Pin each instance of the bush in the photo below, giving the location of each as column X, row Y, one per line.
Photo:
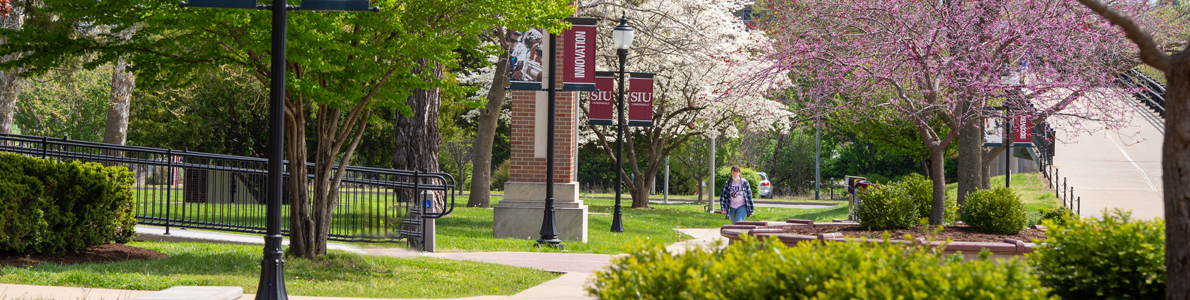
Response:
column 921, row 190
column 1057, row 216
column 723, row 174
column 501, row 175
column 50, row 207
column 1112, row 257
column 998, row 210
column 768, row 269
column 884, row 207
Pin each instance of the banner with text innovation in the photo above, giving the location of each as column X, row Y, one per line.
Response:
column 640, row 100
column 526, row 67
column 578, row 72
column 602, row 100
column 1021, row 130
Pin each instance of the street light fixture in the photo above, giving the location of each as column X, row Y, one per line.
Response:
column 622, row 37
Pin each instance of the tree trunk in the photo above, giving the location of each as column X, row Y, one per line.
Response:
column 301, row 224
column 970, row 161
column 776, row 152
column 10, row 81
column 937, row 175
column 989, row 154
column 418, row 138
column 489, row 118
column 1175, row 157
column 116, row 130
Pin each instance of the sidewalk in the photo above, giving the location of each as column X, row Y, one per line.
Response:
column 577, row 267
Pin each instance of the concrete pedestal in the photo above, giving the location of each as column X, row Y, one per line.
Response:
column 519, row 214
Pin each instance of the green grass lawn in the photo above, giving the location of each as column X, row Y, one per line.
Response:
column 339, row 274
column 470, row 229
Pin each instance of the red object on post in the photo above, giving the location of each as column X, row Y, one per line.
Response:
column 1020, row 131
column 579, row 55
column 602, row 100
column 640, row 100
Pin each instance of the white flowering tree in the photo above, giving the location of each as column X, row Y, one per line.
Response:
column 696, row 48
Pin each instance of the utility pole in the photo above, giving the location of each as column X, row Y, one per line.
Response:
column 711, row 182
column 817, row 155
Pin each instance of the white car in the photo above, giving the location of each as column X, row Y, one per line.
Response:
column 766, row 188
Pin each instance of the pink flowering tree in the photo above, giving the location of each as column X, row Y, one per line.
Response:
column 935, row 62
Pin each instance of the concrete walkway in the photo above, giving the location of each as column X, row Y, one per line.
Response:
column 1116, row 169
column 577, row 268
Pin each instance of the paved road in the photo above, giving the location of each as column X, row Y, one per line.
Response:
column 1116, row 169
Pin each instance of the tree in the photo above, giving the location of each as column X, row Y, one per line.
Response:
column 460, row 150
column 903, row 56
column 487, row 122
column 123, row 82
column 66, row 102
column 694, row 47
column 1175, row 152
column 341, row 66
column 10, row 80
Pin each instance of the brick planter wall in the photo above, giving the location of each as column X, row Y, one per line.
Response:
column 1009, row 248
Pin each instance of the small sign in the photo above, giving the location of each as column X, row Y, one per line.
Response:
column 579, row 56
column 1020, row 132
column 602, row 100
column 640, row 100
column 993, row 132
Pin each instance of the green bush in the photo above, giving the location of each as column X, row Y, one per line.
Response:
column 723, row 174
column 1057, row 216
column 51, row 207
column 501, row 175
column 921, row 190
column 998, row 210
column 768, row 269
column 1114, row 257
column 884, row 207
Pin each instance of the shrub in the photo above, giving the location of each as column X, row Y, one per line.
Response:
column 723, row 174
column 886, row 207
column 1112, row 257
column 998, row 210
column 752, row 269
column 501, row 175
column 1057, row 216
column 921, row 190
column 51, row 207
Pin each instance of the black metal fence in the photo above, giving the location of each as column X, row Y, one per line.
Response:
column 1150, row 92
column 1043, row 140
column 227, row 193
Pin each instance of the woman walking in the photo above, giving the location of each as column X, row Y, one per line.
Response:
column 736, row 197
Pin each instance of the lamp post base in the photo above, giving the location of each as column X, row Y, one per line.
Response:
column 272, row 273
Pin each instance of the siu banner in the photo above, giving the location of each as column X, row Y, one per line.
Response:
column 602, row 100
column 640, row 100
column 578, row 72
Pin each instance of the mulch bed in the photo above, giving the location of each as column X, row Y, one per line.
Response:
column 959, row 233
column 97, row 254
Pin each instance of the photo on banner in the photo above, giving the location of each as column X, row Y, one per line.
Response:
column 526, row 63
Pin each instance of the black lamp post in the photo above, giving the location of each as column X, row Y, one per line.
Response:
column 272, row 271
column 549, row 227
column 622, row 37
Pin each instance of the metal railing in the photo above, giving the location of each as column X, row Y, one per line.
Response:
column 1043, row 140
column 227, row 193
column 1149, row 91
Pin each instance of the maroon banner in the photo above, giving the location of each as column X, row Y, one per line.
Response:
column 578, row 72
column 1020, row 131
column 640, row 100
column 602, row 101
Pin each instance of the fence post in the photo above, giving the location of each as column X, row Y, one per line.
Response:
column 44, row 143
column 169, row 186
column 1079, row 211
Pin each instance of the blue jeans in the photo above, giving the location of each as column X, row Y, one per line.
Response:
column 737, row 214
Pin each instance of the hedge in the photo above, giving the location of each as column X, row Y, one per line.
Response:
column 59, row 207
column 752, row 269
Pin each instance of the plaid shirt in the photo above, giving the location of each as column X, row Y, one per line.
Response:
column 725, row 198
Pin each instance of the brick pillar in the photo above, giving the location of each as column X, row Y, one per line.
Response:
column 519, row 214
